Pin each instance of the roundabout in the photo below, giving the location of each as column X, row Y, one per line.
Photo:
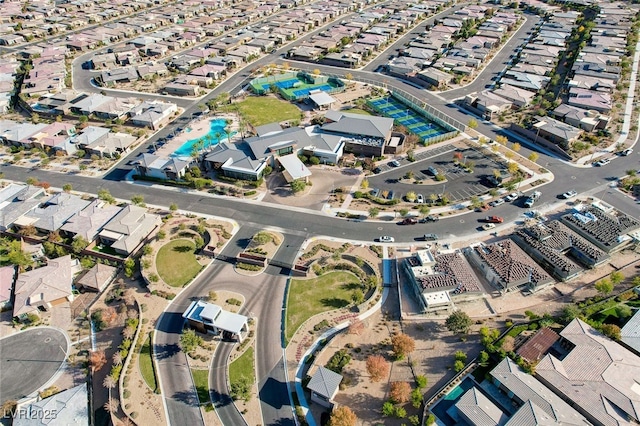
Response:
column 29, row 360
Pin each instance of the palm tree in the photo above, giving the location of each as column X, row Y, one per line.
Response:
column 111, row 406
column 109, row 382
column 117, row 359
column 208, row 138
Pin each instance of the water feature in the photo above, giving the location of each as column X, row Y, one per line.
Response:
column 216, row 127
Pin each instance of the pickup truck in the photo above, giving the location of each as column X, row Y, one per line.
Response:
column 531, row 200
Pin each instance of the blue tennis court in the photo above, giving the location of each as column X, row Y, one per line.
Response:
column 411, row 119
column 298, row 93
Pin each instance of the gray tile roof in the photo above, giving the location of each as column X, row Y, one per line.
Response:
column 97, row 277
column 53, row 213
column 630, row 333
column 532, row 415
column 70, row 407
column 16, row 200
column 478, row 410
column 358, row 124
column 133, row 223
column 325, row 382
column 88, row 222
column 598, row 375
column 526, row 388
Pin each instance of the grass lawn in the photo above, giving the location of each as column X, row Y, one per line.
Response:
column 310, row 297
column 201, row 379
column 242, row 367
column 358, row 111
column 146, row 365
column 259, row 110
column 176, row 262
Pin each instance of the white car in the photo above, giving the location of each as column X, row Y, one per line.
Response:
column 626, row 152
column 497, row 202
column 488, row 226
column 420, row 199
column 386, row 239
column 569, row 194
column 511, row 197
column 602, row 162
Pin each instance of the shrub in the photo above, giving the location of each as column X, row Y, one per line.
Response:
column 421, row 381
column 338, row 361
column 400, row 392
column 401, row 413
column 388, row 409
column 402, row 345
column 233, row 301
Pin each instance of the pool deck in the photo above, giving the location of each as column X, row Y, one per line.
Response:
column 199, row 127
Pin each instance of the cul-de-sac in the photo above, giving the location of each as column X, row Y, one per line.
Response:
column 319, row 212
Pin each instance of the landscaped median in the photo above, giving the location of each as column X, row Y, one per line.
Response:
column 176, row 262
column 260, row 250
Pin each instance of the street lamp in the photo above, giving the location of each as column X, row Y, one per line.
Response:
column 538, row 125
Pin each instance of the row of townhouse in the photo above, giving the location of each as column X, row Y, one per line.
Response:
column 442, row 51
column 123, row 229
column 8, row 72
column 591, row 83
column 150, row 114
column 47, row 73
column 63, row 139
column 153, row 53
column 347, row 43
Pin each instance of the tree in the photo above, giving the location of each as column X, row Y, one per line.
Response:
column 105, row 195
column 342, row 416
column 109, row 382
column 78, row 244
column 189, row 341
column 138, row 200
column 298, row 185
column 97, row 360
column 484, row 358
column 111, row 406
column 32, row 181
column 356, row 327
column 399, row 392
column 416, row 398
column 458, row 366
column 67, row 187
column 129, row 266
column 616, row 277
column 604, row 286
column 502, row 140
column 569, row 313
column 402, row 345
column 357, row 296
column 458, row 322
column 374, row 212
column 461, row 356
column 377, row 367
column 533, row 157
column 424, row 210
column 512, row 167
column 516, row 147
column 612, row 331
column 472, row 124
column 403, row 212
column 364, row 184
column 117, row 358
column 128, row 332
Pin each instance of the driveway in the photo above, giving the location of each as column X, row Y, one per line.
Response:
column 29, row 360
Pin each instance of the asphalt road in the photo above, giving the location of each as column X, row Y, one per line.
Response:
column 500, row 61
column 28, row 360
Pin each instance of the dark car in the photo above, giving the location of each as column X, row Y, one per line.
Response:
column 408, row 221
column 430, row 218
column 377, row 170
column 430, row 237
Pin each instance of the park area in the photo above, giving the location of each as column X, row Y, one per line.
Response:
column 176, row 262
column 260, row 110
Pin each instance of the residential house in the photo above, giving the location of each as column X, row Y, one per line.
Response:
column 71, row 408
column 111, row 77
column 520, row 97
column 434, row 77
column 7, row 278
column 88, row 222
column 235, row 161
column 324, row 385
column 180, row 89
column 40, row 289
column 16, row 200
column 590, row 100
column 557, row 132
column 52, row 213
column 594, row 374
column 129, row 229
column 52, row 135
column 209, row 318
column 19, row 134
column 629, row 334
column 152, row 114
column 112, row 146
column 488, row 103
column 581, row 118
column 97, row 278
column 153, row 166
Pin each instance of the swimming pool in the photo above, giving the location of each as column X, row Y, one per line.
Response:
column 216, row 127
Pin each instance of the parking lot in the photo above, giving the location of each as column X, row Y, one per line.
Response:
column 459, row 184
